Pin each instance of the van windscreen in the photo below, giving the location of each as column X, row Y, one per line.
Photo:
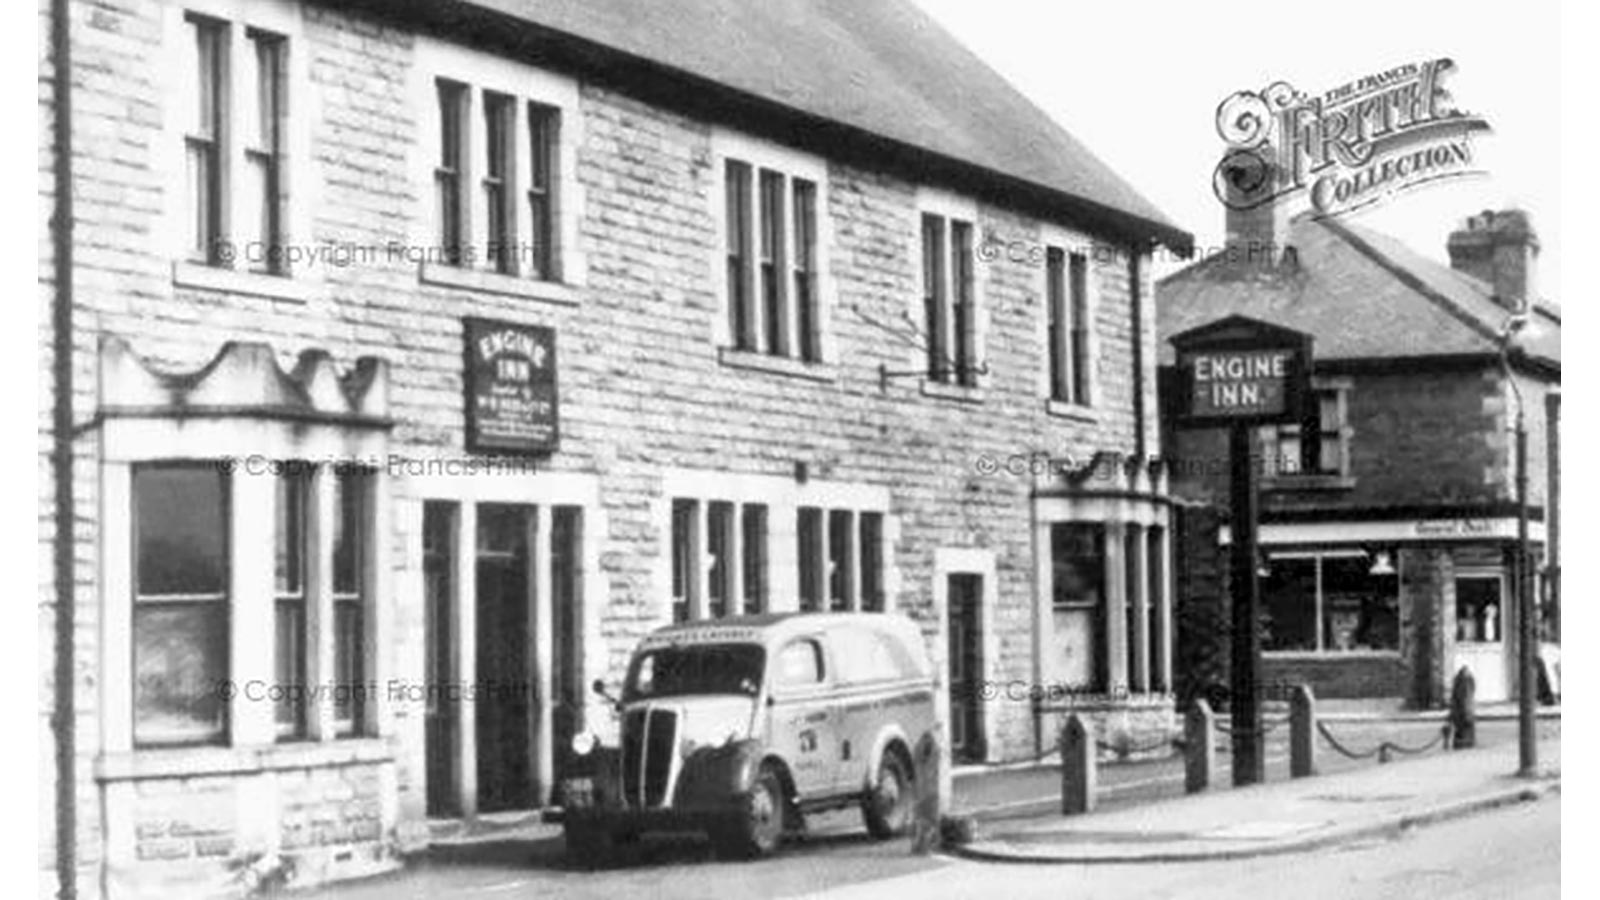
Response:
column 695, row 669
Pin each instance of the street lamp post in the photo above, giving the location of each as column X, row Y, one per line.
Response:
column 1527, row 678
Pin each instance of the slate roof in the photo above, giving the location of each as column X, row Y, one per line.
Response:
column 882, row 67
column 1360, row 294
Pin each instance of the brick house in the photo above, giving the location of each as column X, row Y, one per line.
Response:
column 1389, row 517
column 411, row 361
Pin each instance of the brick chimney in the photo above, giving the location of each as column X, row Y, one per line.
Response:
column 1257, row 218
column 1501, row 248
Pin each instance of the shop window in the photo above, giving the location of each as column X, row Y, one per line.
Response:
column 1331, row 602
column 1360, row 610
column 349, row 613
column 180, row 608
column 1478, row 609
column 1289, row 599
column 289, row 603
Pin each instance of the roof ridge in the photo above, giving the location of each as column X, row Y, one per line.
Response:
column 1408, row 278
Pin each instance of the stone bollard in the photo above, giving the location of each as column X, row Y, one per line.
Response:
column 1199, row 746
column 1077, row 767
column 925, row 832
column 1463, row 710
column 1302, row 733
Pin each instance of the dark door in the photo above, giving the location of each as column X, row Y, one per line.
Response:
column 504, row 683
column 966, row 668
column 567, row 689
column 442, row 708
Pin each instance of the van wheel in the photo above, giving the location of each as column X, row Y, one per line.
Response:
column 757, row 828
column 588, row 845
column 887, row 807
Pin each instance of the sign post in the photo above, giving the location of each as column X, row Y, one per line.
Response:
column 1242, row 373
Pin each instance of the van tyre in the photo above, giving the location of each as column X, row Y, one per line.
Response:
column 887, row 807
column 757, row 828
column 588, row 845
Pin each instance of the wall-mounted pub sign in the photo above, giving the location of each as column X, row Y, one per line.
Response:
column 1242, row 371
column 510, row 388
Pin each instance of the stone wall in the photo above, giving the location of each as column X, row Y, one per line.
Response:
column 643, row 388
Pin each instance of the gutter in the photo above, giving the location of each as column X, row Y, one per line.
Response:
column 64, row 716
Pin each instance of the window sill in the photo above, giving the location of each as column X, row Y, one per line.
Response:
column 233, row 281
column 1327, row 655
column 1287, row 483
column 485, row 282
column 777, row 365
column 1075, row 411
column 957, row 393
column 189, row 762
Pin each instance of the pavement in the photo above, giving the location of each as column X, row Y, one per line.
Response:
column 1278, row 817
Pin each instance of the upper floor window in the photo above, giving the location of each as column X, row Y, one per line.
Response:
column 1067, row 311
column 949, row 310
column 1318, row 446
column 234, row 146
column 771, row 227
column 521, row 235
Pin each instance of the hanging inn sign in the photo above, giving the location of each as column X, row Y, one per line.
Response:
column 1242, row 371
column 510, row 382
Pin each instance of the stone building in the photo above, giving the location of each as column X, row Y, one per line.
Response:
column 408, row 362
column 1388, row 517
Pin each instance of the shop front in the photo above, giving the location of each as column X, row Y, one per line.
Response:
column 1391, row 608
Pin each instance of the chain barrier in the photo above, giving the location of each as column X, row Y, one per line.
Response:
column 1268, row 726
column 1385, row 749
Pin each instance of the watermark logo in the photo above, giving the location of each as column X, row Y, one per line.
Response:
column 1348, row 147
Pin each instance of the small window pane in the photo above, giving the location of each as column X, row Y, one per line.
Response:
column 1077, row 553
column 180, row 524
column 289, row 666
column 180, row 653
column 347, row 532
column 872, row 561
column 753, row 545
column 349, row 665
column 810, row 548
column 289, row 556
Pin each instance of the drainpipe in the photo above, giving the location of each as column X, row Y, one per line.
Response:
column 1136, row 295
column 65, row 713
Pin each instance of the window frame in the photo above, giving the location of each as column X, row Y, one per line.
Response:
column 222, row 599
column 206, row 201
column 1310, row 436
column 950, row 305
column 772, row 269
column 542, row 200
column 300, row 482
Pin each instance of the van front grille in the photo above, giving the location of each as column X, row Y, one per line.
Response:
column 649, row 737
